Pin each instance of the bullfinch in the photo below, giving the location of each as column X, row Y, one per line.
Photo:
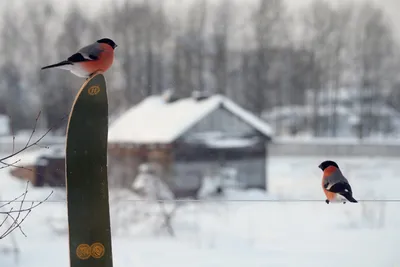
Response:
column 334, row 182
column 96, row 57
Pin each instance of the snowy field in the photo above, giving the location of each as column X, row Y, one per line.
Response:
column 273, row 232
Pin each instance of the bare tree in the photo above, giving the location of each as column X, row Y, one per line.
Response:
column 268, row 23
column 318, row 28
column 13, row 96
column 177, row 68
column 127, row 19
column 14, row 212
column 373, row 48
column 353, row 45
column 58, row 102
column 142, row 29
column 192, row 42
column 14, row 217
column 334, row 58
column 158, row 31
column 157, row 49
column 197, row 20
column 161, row 30
column 221, row 23
column 34, row 20
column 11, row 79
column 341, row 20
column 187, row 46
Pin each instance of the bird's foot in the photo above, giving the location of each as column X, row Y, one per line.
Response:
column 91, row 75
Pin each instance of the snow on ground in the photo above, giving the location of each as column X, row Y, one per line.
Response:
column 242, row 233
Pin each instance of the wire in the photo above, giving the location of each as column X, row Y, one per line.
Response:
column 212, row 200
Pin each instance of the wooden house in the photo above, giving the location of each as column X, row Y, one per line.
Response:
column 190, row 138
column 42, row 167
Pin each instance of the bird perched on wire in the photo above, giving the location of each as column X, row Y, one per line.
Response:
column 334, row 182
column 96, row 57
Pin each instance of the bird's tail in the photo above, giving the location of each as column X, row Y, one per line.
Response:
column 349, row 197
column 60, row 64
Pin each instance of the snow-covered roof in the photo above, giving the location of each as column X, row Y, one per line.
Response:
column 155, row 121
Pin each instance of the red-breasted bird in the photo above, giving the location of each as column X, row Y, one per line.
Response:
column 96, row 57
column 334, row 182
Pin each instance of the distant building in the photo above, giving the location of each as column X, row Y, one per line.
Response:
column 190, row 138
column 42, row 167
column 337, row 113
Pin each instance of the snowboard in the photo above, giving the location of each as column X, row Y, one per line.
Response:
column 86, row 177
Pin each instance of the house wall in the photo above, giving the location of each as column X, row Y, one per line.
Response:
column 49, row 172
column 124, row 162
column 53, row 174
column 122, row 170
column 193, row 161
column 188, row 176
column 27, row 173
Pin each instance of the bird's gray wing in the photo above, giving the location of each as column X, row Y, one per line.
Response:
column 334, row 178
column 91, row 52
column 87, row 53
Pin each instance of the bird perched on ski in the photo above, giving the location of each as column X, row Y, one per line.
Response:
column 96, row 57
column 334, row 183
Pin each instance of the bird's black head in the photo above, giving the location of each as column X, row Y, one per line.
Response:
column 326, row 164
column 107, row 41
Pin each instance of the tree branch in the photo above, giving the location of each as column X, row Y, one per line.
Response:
column 15, row 216
column 21, row 213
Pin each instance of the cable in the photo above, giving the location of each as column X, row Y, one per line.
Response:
column 213, row 200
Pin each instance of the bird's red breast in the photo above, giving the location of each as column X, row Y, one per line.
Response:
column 327, row 172
column 106, row 58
